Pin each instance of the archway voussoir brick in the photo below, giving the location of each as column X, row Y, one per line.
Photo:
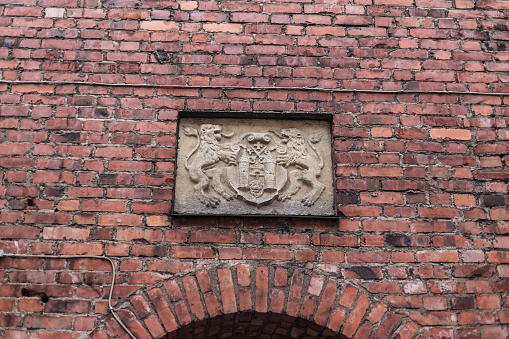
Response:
column 315, row 285
column 193, row 297
column 294, row 296
column 308, row 307
column 141, row 306
column 324, row 309
column 364, row 331
column 262, row 289
column 377, row 312
column 183, row 316
column 204, row 281
column 113, row 326
column 243, row 275
column 336, row 319
column 356, row 316
column 348, row 296
column 133, row 324
column 173, row 290
column 227, row 290
column 280, row 277
column 212, row 304
column 277, row 303
column 245, row 300
column 386, row 329
column 163, row 310
column 408, row 330
column 154, row 326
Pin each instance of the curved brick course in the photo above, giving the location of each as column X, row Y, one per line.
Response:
column 286, row 299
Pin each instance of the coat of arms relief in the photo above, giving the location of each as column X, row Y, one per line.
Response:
column 258, row 170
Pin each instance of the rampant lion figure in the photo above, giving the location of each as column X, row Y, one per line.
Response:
column 309, row 167
column 209, row 152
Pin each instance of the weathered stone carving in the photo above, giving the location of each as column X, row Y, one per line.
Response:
column 262, row 171
column 308, row 167
column 208, row 153
column 256, row 176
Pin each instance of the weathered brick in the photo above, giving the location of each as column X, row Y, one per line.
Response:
column 102, row 158
column 356, row 316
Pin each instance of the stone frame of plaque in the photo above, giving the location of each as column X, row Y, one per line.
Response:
column 266, row 165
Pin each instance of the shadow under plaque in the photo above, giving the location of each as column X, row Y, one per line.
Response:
column 254, row 167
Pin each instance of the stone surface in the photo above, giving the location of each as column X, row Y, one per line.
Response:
column 254, row 167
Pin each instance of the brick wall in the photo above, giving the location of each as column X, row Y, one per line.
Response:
column 418, row 91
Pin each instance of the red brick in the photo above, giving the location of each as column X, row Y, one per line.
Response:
column 332, row 240
column 261, row 293
column 81, row 249
column 222, row 27
column 243, row 275
column 264, row 254
column 437, row 256
column 19, row 232
column 227, row 291
column 193, row 297
column 333, row 256
column 466, row 318
column 405, row 302
column 360, row 211
column 363, row 257
column 149, row 250
column 212, row 304
column 355, row 317
column 154, row 326
column 382, row 287
column 120, row 220
column 325, row 306
column 139, row 235
column 388, row 326
column 382, row 198
column 134, row 325
column 141, row 306
column 294, row 294
column 167, row 318
column 114, row 152
column 434, row 318
column 377, row 313
column 277, row 301
column 195, row 252
column 488, row 302
column 213, row 236
column 308, row 307
column 336, row 319
column 286, row 239
column 47, row 322
column 385, row 225
column 407, row 331
column 103, row 206
column 64, row 233
column 182, row 313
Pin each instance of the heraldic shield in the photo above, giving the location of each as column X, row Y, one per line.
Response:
column 258, row 166
column 257, row 178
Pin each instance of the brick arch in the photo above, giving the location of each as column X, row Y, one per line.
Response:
column 338, row 309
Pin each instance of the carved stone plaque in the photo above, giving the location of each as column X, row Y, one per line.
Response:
column 254, row 166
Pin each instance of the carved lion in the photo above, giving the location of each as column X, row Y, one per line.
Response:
column 208, row 153
column 308, row 165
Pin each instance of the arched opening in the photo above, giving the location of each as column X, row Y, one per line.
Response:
column 253, row 325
